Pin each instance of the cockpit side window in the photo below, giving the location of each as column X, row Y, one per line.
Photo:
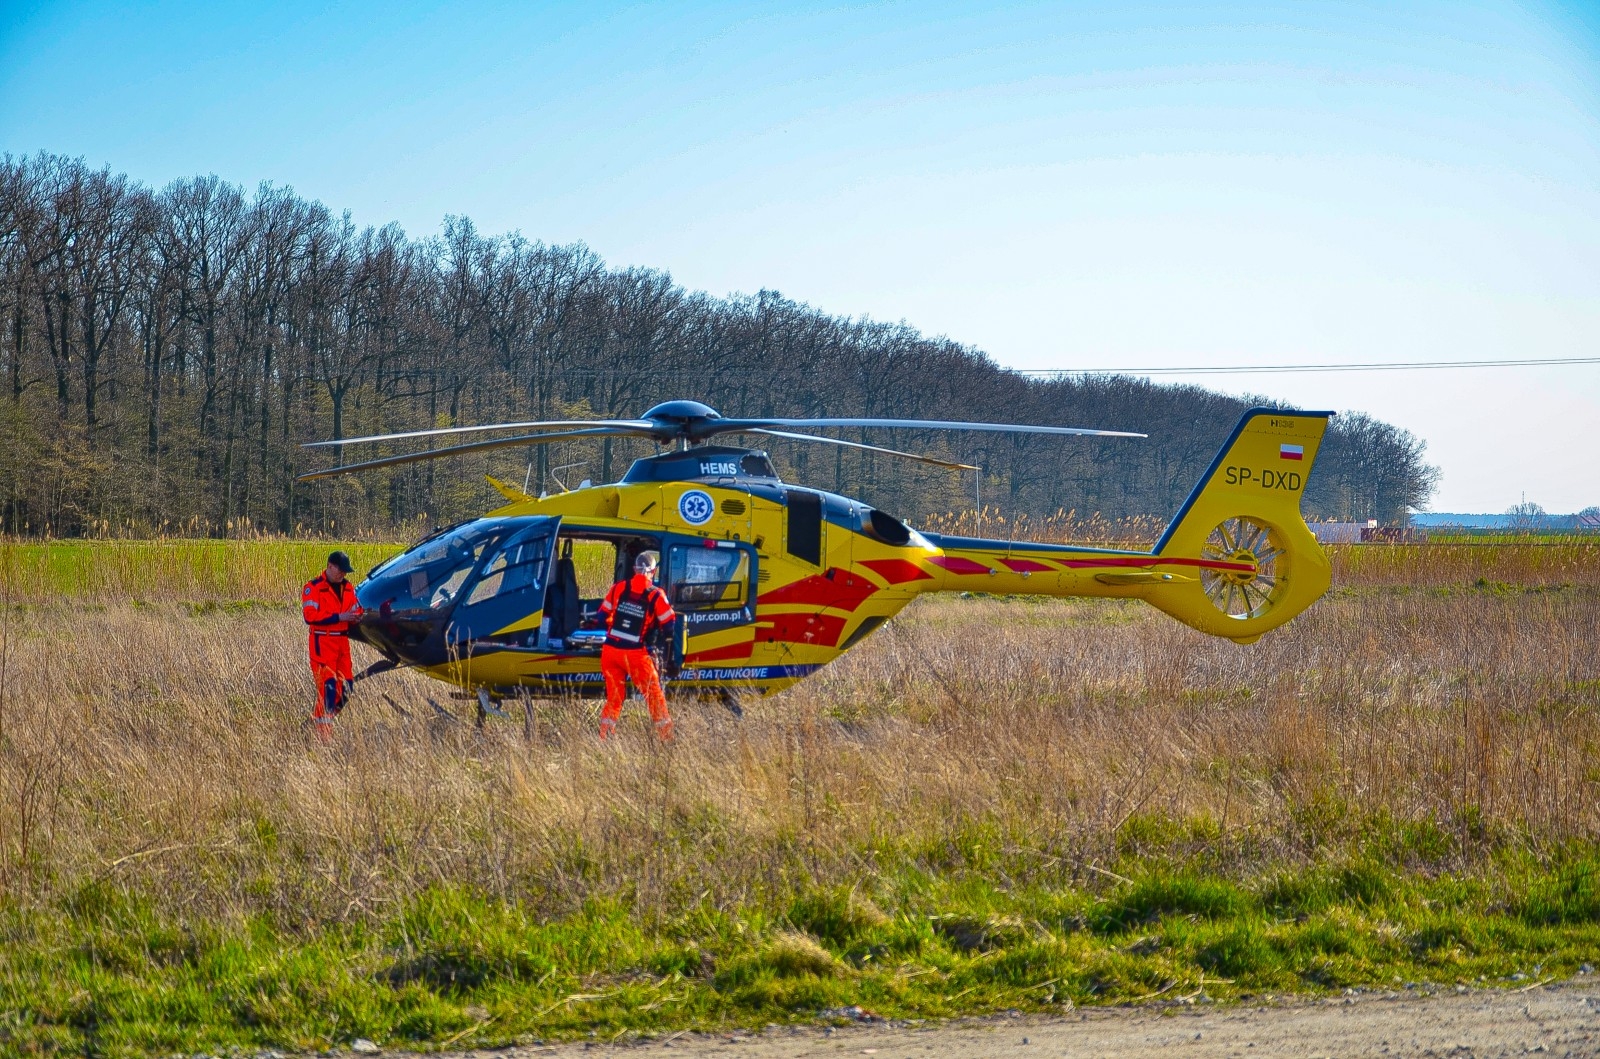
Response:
column 519, row 566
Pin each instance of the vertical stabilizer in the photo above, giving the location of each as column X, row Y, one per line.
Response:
column 1258, row 563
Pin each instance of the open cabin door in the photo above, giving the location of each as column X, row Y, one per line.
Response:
column 710, row 584
column 503, row 604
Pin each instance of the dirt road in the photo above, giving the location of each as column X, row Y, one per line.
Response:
column 1561, row 1019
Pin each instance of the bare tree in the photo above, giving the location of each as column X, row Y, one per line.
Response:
column 219, row 329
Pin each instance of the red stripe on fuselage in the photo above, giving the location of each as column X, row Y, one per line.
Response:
column 1209, row 564
column 897, row 571
column 1101, row 561
column 721, row 654
column 822, row 630
column 957, row 564
column 837, row 588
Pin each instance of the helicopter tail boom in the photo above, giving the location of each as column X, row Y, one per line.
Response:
column 1236, row 561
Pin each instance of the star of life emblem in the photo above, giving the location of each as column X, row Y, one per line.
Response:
column 695, row 507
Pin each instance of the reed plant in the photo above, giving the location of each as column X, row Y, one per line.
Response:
column 1513, row 562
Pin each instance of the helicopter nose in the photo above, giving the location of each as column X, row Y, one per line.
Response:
column 411, row 639
column 365, row 630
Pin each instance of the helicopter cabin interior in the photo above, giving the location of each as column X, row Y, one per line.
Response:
column 707, row 583
column 587, row 564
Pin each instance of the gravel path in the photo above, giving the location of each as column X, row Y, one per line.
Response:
column 1561, row 1019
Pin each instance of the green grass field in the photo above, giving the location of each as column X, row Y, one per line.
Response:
column 175, row 568
column 201, row 571
column 962, row 816
column 104, row 973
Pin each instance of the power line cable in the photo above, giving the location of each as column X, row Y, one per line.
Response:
column 1252, row 369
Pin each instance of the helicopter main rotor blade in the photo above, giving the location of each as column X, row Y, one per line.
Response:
column 947, row 464
column 724, row 426
column 458, row 450
column 637, row 424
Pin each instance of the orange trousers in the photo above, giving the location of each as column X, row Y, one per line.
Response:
column 330, row 667
column 617, row 666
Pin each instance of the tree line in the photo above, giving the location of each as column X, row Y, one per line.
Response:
column 164, row 353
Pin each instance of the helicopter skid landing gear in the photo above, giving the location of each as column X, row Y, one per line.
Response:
column 487, row 708
column 734, row 701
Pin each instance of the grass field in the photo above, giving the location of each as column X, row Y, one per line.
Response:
column 990, row 804
column 221, row 571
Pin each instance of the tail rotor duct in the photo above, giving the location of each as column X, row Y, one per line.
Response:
column 1257, row 569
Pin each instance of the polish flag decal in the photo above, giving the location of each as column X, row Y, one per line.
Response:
column 1291, row 452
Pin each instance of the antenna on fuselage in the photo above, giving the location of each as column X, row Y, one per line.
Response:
column 565, row 467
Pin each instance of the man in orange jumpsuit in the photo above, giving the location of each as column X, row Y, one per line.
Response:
column 328, row 604
column 631, row 610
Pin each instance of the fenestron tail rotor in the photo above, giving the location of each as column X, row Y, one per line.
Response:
column 684, row 423
column 1252, row 578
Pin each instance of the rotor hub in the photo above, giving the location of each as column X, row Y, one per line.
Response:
column 682, row 421
column 1245, row 557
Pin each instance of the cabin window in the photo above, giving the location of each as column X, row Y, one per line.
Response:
column 709, row 577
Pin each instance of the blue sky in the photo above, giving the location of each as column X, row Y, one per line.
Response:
column 1061, row 185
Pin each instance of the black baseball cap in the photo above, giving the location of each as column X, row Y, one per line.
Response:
column 341, row 560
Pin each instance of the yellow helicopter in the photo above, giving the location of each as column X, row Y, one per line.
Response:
column 773, row 581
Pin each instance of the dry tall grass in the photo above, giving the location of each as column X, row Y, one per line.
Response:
column 161, row 747
column 1513, row 561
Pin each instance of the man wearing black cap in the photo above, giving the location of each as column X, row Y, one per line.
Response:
column 328, row 604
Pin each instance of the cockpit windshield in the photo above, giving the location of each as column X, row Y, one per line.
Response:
column 429, row 576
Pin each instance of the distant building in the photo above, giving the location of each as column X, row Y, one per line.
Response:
column 1368, row 532
column 1392, row 535
column 1337, row 532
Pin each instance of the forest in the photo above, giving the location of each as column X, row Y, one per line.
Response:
column 166, row 352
